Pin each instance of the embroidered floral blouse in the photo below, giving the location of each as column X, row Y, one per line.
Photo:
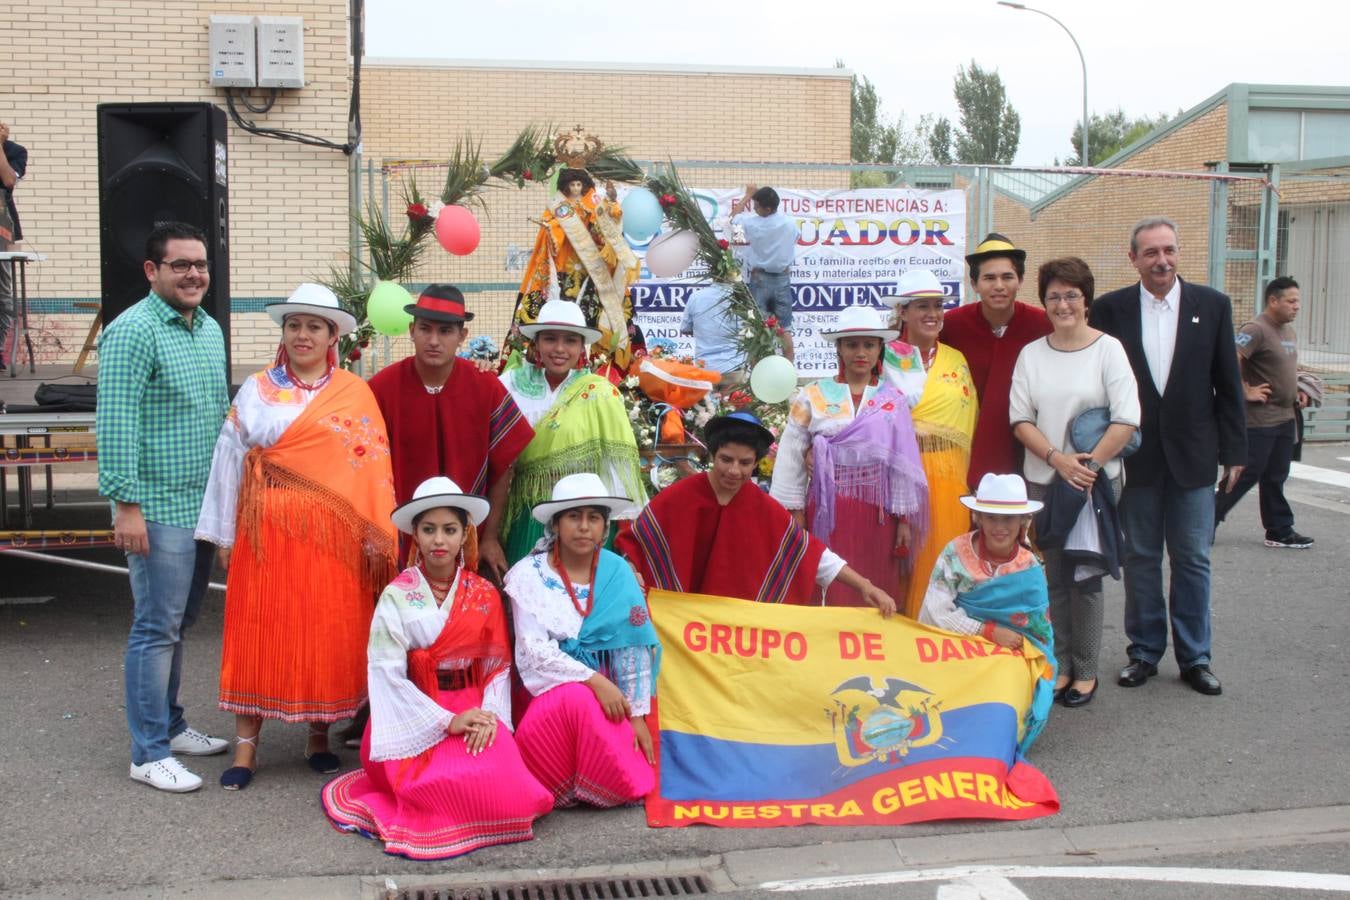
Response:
column 544, row 616
column 266, row 405
column 959, row 569
column 403, row 720
column 824, row 408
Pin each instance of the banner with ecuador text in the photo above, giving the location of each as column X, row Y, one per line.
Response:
column 773, row 715
column 852, row 246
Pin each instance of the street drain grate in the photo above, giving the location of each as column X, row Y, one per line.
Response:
column 572, row 889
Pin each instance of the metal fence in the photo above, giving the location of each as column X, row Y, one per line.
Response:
column 1236, row 230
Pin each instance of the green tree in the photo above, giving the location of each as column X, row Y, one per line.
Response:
column 940, row 142
column 1112, row 133
column 990, row 127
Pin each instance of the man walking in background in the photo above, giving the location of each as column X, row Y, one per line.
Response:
column 1179, row 339
column 772, row 237
column 1267, row 351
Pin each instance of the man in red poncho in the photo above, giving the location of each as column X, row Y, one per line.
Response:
column 717, row 533
column 991, row 334
column 447, row 418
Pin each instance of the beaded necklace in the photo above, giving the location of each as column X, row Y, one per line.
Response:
column 567, row 582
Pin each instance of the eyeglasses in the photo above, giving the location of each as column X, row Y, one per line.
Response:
column 181, row 266
column 1070, row 298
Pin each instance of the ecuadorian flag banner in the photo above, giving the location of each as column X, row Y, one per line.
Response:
column 774, row 715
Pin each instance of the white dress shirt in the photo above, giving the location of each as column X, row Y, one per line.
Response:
column 1158, row 330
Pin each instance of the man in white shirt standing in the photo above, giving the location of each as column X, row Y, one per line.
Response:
column 772, row 237
column 1179, row 340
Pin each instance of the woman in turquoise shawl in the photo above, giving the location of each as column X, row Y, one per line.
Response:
column 989, row 582
column 586, row 651
column 579, row 419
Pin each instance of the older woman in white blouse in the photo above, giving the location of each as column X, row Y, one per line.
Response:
column 1058, row 377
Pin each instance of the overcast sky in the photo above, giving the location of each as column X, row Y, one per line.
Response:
column 1146, row 56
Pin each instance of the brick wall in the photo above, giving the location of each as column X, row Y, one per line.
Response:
column 288, row 203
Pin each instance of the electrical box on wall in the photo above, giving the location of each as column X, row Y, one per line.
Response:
column 233, row 48
column 281, row 51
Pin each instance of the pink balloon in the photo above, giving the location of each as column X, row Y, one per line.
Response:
column 457, row 230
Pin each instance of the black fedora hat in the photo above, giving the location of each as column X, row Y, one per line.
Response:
column 440, row 303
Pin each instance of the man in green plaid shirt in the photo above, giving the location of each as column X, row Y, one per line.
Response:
column 162, row 397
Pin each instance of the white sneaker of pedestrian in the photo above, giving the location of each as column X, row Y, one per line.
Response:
column 193, row 743
column 166, row 774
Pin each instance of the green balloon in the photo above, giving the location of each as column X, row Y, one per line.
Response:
column 384, row 308
column 773, row 379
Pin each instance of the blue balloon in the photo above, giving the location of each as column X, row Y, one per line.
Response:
column 642, row 214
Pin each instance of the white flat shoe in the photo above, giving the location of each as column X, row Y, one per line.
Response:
column 166, row 774
column 193, row 743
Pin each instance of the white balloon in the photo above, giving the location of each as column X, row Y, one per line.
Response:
column 670, row 254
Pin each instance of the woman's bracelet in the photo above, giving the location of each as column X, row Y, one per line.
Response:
column 988, row 629
column 1049, row 453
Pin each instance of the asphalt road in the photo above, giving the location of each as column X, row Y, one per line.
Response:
column 1275, row 740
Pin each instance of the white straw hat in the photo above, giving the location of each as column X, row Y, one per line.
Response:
column 913, row 284
column 1002, row 495
column 561, row 315
column 860, row 321
column 581, row 489
column 435, row 493
column 313, row 300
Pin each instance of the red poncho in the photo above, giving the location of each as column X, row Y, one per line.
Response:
column 991, row 360
column 751, row 548
column 471, row 431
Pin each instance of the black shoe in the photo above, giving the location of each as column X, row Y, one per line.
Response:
column 1074, row 698
column 1291, row 541
column 1059, row 693
column 1201, row 679
column 1136, row 673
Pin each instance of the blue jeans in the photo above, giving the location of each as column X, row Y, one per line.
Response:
column 167, row 586
column 1183, row 519
column 773, row 295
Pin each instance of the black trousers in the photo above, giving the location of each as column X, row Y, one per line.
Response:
column 1269, row 451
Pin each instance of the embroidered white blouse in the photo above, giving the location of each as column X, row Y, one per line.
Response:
column 403, row 720
column 544, row 616
column 266, row 405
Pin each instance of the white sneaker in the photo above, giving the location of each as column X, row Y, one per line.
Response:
column 166, row 774
column 193, row 743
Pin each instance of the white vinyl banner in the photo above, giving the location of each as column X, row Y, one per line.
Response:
column 852, row 245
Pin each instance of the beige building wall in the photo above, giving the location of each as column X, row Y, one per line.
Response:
column 417, row 110
column 288, row 202
column 1093, row 221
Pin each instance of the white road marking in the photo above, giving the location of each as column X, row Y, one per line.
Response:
column 1344, row 458
column 1311, row 881
column 980, row 887
column 1317, row 473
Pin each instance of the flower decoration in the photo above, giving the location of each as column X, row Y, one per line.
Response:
column 668, row 201
column 771, row 322
column 480, row 347
column 418, row 211
column 723, row 243
column 637, row 616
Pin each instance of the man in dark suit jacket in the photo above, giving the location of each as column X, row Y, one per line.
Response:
column 1179, row 339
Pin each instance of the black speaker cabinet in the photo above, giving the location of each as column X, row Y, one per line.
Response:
column 157, row 163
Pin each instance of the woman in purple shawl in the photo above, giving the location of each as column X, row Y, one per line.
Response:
column 848, row 463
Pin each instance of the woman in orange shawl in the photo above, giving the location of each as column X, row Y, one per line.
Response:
column 944, row 417
column 301, row 477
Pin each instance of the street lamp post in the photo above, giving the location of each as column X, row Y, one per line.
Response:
column 1085, row 159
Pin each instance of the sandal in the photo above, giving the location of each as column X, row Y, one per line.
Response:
column 323, row 762
column 236, row 778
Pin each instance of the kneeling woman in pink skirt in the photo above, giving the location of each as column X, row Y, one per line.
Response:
column 440, row 773
column 586, row 652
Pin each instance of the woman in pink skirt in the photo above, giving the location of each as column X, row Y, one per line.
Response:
column 440, row 774
column 587, row 653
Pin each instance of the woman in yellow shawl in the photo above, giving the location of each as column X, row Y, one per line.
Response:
column 299, row 499
column 581, row 239
column 944, row 415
